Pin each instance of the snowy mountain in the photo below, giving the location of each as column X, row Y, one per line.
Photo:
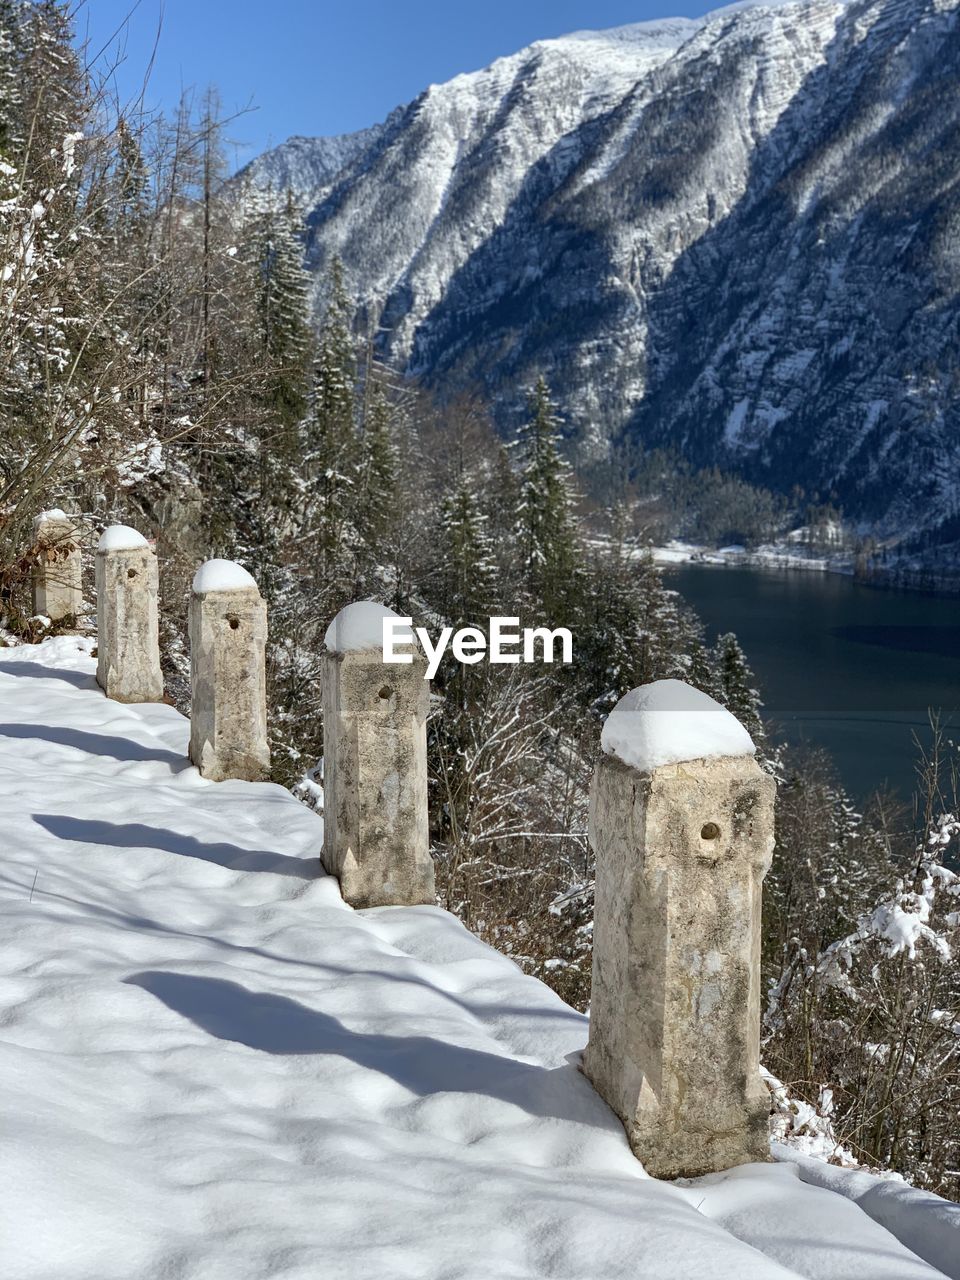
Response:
column 738, row 235
column 307, row 167
column 213, row 1067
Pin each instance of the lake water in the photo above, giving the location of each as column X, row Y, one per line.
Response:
column 846, row 666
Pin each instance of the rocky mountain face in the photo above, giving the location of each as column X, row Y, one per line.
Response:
column 307, row 168
column 738, row 235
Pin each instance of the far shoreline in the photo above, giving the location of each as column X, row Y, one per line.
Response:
column 778, row 558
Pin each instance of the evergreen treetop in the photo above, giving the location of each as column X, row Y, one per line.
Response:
column 546, row 530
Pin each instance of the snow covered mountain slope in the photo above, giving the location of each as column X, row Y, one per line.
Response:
column 738, row 235
column 306, row 168
column 213, row 1069
column 446, row 172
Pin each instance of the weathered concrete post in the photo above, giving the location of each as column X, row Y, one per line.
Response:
column 128, row 642
column 376, row 837
column 228, row 708
column 57, row 587
column 681, row 821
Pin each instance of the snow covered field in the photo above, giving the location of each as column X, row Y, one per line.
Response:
column 214, row 1070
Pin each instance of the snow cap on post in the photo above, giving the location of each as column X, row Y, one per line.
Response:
column 358, row 627
column 128, row 633
column 57, row 573
column 681, row 822
column 668, row 722
column 120, row 537
column 222, row 575
column 228, row 635
column 376, row 838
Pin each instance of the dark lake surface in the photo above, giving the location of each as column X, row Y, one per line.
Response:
column 842, row 665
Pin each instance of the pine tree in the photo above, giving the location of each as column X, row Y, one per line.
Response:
column 634, row 630
column 330, row 451
column 54, row 98
column 546, row 528
column 503, row 501
column 131, row 176
column 11, row 94
column 465, row 577
column 703, row 673
column 42, row 318
column 378, row 460
column 467, row 564
column 610, row 628
column 738, row 685
column 282, row 314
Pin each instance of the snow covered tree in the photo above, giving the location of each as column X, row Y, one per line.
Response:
column 738, row 687
column 378, row 456
column 270, row 297
column 12, row 14
column 467, row 563
column 49, row 291
column 546, row 530
column 131, row 177
column 465, row 596
column 634, row 630
column 612, row 630
column 826, row 863
column 702, row 671
column 330, row 449
column 53, row 92
column 283, row 316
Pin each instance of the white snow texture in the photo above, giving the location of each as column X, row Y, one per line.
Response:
column 668, row 722
column 213, row 1069
column 221, row 575
column 359, row 626
column 120, row 537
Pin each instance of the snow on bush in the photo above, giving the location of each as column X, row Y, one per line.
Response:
column 902, row 921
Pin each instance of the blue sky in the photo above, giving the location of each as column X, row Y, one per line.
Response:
column 329, row 66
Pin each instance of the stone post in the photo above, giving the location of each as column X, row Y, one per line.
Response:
column 57, row 587
column 681, row 821
column 376, row 835
column 228, row 709
column 128, row 643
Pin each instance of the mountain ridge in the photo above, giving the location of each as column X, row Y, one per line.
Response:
column 736, row 235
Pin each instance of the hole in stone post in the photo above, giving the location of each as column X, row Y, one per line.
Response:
column 131, row 573
column 385, row 693
column 234, row 622
column 709, row 831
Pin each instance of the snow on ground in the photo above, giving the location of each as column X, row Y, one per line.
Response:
column 215, row 1070
column 924, row 1222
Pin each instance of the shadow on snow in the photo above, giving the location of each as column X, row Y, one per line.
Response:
column 136, row 835
column 95, row 744
column 37, row 671
column 277, row 1025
